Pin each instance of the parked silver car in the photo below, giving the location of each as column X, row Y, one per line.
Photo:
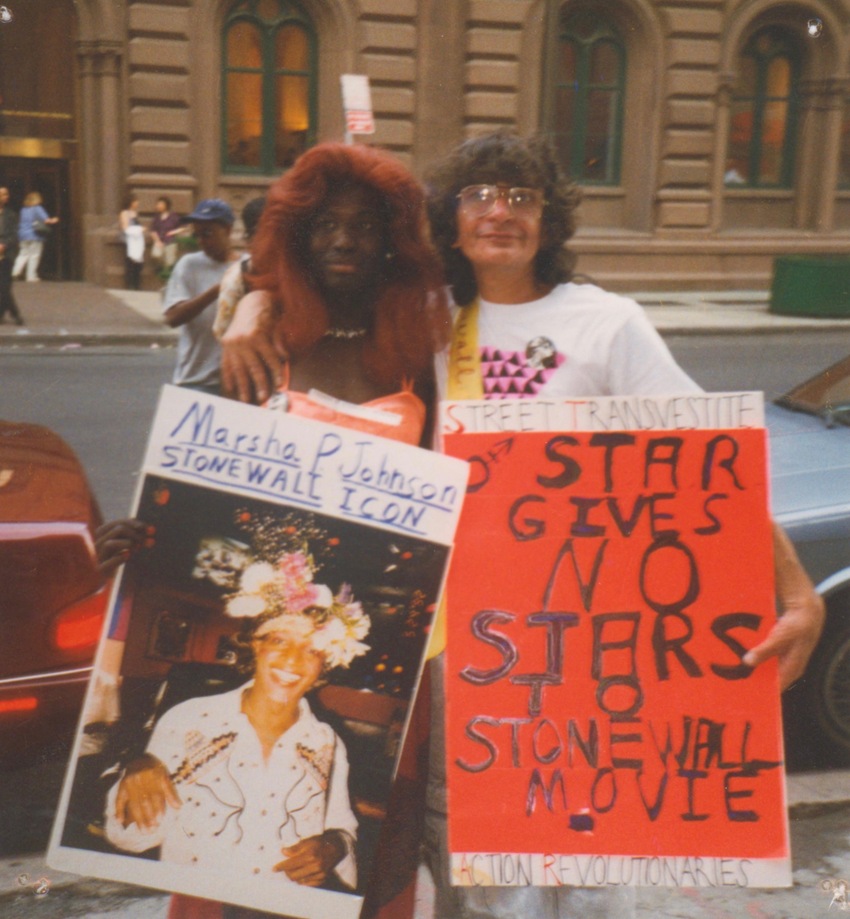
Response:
column 810, row 484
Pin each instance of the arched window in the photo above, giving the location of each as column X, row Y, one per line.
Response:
column 269, row 90
column 764, row 112
column 587, row 114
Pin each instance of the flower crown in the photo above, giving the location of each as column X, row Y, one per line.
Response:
column 284, row 595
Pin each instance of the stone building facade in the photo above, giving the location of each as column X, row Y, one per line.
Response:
column 709, row 135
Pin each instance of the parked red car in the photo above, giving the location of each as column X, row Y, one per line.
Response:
column 52, row 597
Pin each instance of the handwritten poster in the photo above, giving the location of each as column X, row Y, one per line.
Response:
column 262, row 650
column 606, row 581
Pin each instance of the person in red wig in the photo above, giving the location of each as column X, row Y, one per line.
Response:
column 349, row 291
column 345, row 283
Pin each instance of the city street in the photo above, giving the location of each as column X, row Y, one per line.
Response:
column 101, row 399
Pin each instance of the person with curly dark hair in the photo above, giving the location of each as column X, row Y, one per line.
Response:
column 501, row 212
column 501, row 157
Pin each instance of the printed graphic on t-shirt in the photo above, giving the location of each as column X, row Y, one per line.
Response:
column 514, row 374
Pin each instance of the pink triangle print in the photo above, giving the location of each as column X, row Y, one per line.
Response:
column 507, row 374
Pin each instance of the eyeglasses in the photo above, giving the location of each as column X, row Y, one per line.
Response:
column 479, row 200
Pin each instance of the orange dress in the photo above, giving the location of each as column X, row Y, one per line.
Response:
column 398, row 416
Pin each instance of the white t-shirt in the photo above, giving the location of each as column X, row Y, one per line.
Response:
column 198, row 351
column 578, row 340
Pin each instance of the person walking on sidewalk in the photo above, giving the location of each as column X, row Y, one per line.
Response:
column 8, row 253
column 33, row 228
column 192, row 294
column 133, row 234
column 163, row 232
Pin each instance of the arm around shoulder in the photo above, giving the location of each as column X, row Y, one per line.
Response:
column 253, row 351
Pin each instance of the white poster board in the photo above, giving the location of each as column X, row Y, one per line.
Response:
column 234, row 493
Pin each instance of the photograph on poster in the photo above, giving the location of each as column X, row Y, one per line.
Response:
column 597, row 705
column 237, row 593
column 256, row 673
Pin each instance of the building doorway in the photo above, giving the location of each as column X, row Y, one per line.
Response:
column 51, row 178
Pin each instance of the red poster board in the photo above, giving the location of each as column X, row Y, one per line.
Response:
column 600, row 727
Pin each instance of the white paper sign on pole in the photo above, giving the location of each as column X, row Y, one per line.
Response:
column 357, row 103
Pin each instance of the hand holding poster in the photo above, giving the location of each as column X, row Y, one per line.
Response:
column 604, row 587
column 264, row 647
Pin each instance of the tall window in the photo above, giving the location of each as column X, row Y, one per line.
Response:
column 764, row 112
column 590, row 65
column 269, row 87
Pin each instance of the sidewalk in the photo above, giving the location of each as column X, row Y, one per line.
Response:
column 63, row 313
column 724, row 312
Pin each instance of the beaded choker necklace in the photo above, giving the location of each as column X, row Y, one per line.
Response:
column 345, row 334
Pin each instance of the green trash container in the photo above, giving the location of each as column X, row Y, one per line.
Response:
column 811, row 285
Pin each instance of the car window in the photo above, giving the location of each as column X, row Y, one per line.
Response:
column 826, row 395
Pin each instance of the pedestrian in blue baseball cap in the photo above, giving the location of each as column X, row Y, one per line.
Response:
column 191, row 297
column 212, row 209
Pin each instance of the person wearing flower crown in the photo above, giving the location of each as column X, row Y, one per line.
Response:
column 280, row 805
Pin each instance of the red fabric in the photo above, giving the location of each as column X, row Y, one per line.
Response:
column 183, row 907
column 413, row 762
column 401, row 906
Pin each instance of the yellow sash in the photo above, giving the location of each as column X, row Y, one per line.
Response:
column 464, row 361
column 464, row 383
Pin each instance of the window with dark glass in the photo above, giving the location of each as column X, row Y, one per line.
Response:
column 764, row 113
column 269, row 87
column 587, row 111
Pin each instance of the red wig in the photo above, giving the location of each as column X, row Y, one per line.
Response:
column 411, row 318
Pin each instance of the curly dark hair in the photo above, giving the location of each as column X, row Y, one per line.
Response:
column 503, row 157
column 240, row 648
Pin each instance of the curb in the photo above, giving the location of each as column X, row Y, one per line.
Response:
column 727, row 329
column 68, row 340
column 168, row 338
column 804, row 809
